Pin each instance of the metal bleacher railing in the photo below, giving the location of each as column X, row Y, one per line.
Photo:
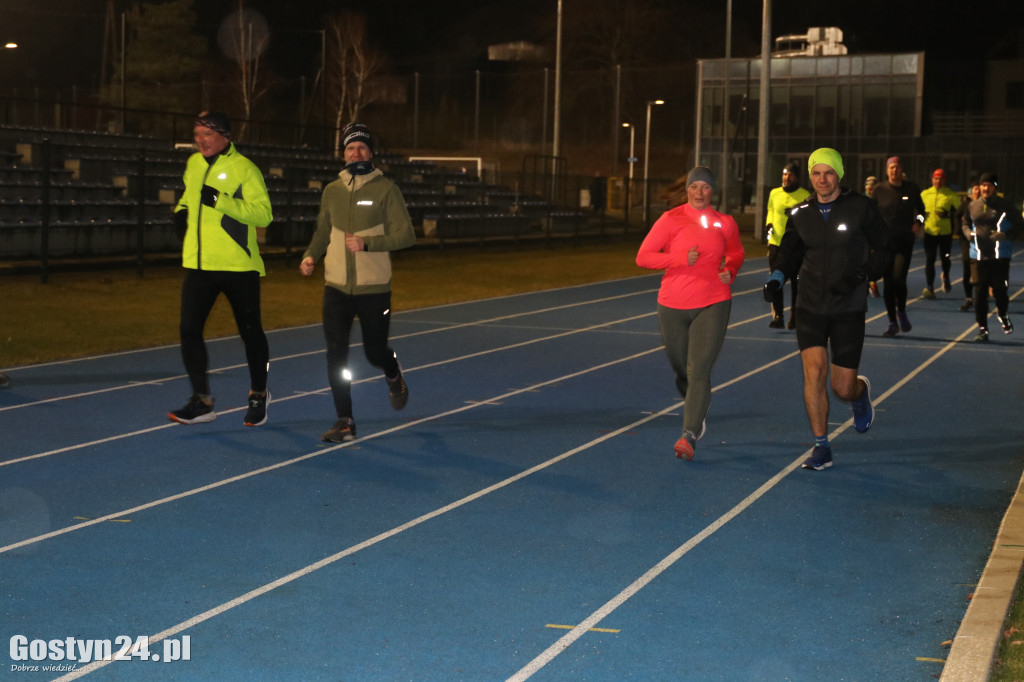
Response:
column 92, row 196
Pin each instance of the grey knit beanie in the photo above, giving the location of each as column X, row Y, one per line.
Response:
column 701, row 174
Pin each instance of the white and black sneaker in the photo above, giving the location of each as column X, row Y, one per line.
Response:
column 256, row 413
column 195, row 412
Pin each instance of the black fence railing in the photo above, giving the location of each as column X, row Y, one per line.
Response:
column 91, row 197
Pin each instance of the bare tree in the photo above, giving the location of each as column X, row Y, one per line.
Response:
column 352, row 64
column 244, row 38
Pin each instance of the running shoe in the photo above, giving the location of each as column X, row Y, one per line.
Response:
column 256, row 414
column 5, row 381
column 967, row 305
column 777, row 322
column 905, row 325
column 982, row 336
column 928, row 293
column 863, row 411
column 821, row 458
column 398, row 392
column 194, row 412
column 891, row 330
column 684, row 446
column 343, row 431
column 946, row 286
column 873, row 289
column 1006, row 322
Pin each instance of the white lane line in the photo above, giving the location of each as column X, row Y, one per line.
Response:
column 294, row 396
column 567, row 640
column 319, row 351
column 323, row 451
column 327, row 561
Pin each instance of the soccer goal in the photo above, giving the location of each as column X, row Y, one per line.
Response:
column 462, row 164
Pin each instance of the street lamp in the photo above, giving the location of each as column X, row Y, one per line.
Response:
column 632, row 162
column 647, row 155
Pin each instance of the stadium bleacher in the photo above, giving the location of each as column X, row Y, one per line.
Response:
column 101, row 189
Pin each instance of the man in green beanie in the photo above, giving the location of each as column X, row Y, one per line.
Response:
column 836, row 242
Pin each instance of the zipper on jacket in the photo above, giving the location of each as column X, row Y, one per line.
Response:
column 199, row 221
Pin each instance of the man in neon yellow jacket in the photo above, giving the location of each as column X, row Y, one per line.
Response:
column 224, row 201
column 780, row 201
column 940, row 206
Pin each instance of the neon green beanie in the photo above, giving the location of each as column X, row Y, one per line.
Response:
column 828, row 156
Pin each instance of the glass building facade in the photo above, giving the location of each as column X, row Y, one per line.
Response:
column 866, row 106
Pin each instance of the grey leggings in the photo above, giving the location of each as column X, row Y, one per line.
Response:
column 692, row 340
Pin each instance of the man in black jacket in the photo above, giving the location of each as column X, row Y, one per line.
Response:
column 899, row 203
column 836, row 241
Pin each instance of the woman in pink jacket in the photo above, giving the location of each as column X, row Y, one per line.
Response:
column 700, row 251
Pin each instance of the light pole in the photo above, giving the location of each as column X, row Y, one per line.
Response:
column 647, row 156
column 632, row 162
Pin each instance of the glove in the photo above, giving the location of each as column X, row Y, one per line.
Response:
column 849, row 282
column 774, row 285
column 209, row 196
column 181, row 223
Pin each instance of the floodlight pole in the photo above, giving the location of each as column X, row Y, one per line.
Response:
column 762, row 119
column 724, row 172
column 556, row 146
column 629, row 182
column 647, row 157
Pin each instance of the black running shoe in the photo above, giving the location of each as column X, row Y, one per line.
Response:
column 398, row 392
column 1006, row 322
column 256, row 414
column 343, row 431
column 194, row 412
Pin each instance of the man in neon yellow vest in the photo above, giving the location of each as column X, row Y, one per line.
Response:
column 940, row 206
column 780, row 201
column 224, row 201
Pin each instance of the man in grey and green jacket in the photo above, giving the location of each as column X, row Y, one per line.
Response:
column 363, row 217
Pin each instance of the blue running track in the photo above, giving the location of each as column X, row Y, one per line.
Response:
column 523, row 517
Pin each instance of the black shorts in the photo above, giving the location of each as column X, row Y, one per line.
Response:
column 844, row 332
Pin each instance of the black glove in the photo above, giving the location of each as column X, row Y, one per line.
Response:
column 774, row 285
column 849, row 282
column 209, row 196
column 181, row 223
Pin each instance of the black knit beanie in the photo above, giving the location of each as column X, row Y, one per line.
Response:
column 216, row 121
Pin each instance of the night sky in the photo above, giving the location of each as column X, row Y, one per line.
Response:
column 61, row 39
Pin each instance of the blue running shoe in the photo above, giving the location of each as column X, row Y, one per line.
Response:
column 905, row 325
column 863, row 412
column 820, row 459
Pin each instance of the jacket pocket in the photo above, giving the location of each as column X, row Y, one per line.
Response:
column 372, row 267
